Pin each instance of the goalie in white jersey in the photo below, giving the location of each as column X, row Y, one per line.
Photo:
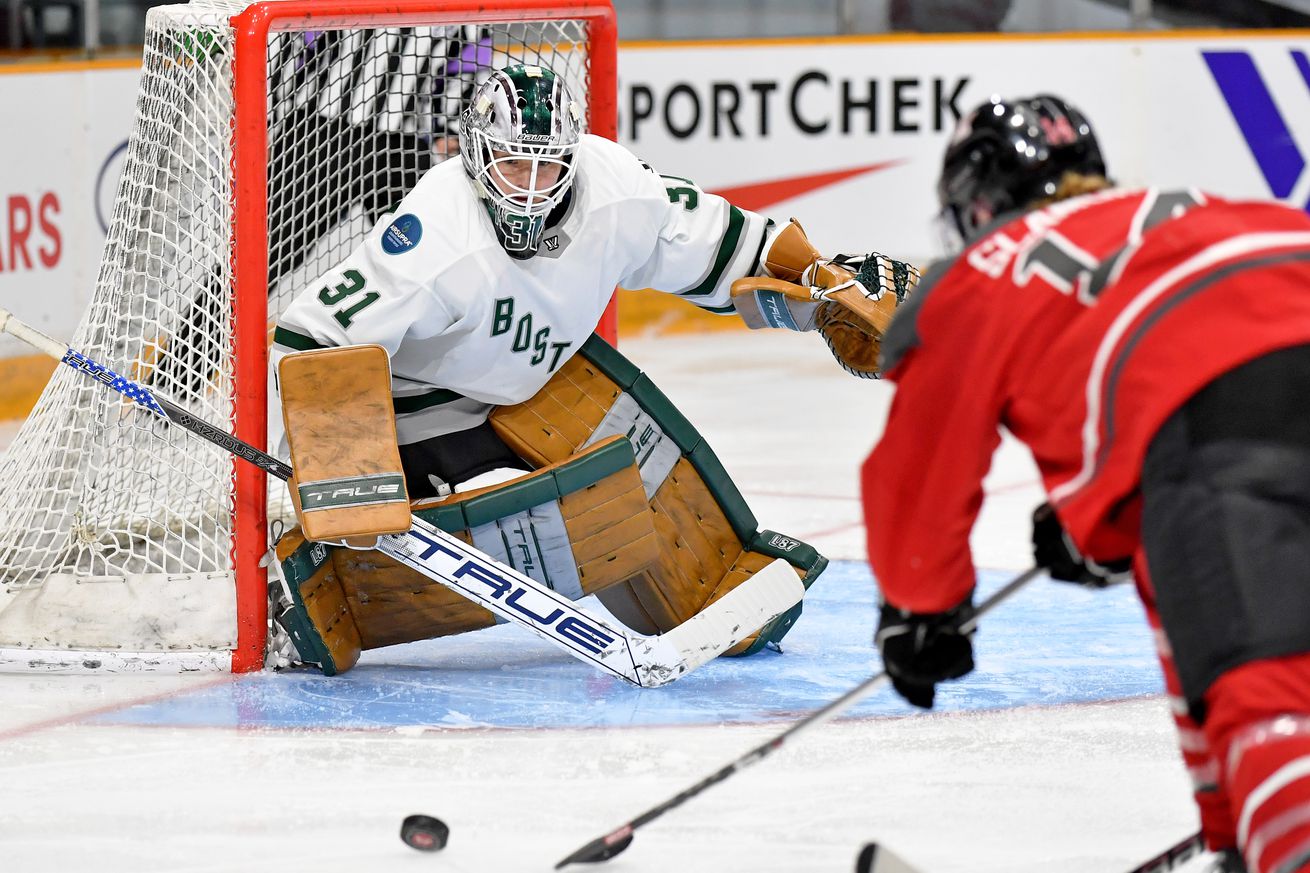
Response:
column 482, row 287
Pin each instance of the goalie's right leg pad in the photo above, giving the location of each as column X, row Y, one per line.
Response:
column 311, row 605
column 710, row 542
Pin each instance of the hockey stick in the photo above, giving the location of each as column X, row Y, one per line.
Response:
column 1173, row 857
column 606, row 847
column 875, row 858
column 647, row 661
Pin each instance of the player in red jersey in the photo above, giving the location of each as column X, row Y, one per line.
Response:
column 1152, row 348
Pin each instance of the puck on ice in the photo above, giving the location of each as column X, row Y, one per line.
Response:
column 424, row 832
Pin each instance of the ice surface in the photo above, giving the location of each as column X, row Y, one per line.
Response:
column 1055, row 755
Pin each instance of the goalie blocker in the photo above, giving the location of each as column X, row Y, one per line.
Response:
column 349, row 483
column 626, row 501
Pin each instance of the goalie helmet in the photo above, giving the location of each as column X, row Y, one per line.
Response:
column 1008, row 154
column 517, row 140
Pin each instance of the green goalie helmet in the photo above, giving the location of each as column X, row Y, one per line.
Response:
column 518, row 138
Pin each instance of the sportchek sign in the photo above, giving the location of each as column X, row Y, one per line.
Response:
column 846, row 135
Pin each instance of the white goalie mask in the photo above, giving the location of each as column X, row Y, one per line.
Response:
column 518, row 138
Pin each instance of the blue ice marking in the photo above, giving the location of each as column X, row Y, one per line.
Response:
column 1050, row 644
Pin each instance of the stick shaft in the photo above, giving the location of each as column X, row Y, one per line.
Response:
column 823, row 715
column 762, row 751
column 143, row 396
column 1173, row 857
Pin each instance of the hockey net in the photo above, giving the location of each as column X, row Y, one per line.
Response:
column 267, row 140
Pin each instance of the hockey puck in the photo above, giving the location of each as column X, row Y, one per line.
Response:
column 424, row 832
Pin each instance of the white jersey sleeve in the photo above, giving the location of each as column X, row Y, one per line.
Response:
column 704, row 244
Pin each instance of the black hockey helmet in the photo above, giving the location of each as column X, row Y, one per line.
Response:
column 1008, row 154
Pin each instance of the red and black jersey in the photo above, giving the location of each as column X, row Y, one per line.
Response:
column 1080, row 327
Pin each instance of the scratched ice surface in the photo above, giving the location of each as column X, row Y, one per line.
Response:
column 1057, row 754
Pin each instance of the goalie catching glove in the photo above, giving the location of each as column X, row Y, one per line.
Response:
column 849, row 299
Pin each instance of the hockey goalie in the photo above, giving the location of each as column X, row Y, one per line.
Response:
column 448, row 367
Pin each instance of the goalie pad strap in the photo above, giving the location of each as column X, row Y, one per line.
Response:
column 336, row 404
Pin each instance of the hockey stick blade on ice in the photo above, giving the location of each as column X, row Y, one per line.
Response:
column 875, row 858
column 606, row 847
column 1173, row 857
column 647, row 661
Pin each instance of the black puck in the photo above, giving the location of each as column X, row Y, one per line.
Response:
column 424, row 832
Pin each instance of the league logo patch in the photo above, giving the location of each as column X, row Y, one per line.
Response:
column 403, row 234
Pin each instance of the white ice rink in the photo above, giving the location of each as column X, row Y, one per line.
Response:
column 1057, row 755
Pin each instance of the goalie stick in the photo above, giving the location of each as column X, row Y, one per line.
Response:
column 1173, row 857
column 647, row 661
column 606, row 847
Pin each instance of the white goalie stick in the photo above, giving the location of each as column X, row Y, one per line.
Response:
column 647, row 661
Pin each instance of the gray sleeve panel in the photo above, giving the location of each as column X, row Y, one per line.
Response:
column 903, row 333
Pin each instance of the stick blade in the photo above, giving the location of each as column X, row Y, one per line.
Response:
column 770, row 592
column 600, row 849
column 874, row 858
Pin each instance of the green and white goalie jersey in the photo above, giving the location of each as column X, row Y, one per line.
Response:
column 467, row 326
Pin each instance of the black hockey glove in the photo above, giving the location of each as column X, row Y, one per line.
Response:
column 920, row 649
column 1055, row 552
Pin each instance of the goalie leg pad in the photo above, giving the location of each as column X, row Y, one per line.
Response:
column 313, row 609
column 578, row 527
column 708, row 539
column 341, row 430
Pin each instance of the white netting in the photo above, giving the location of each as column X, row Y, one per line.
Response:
column 93, row 488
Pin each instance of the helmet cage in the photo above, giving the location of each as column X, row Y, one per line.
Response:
column 521, row 168
column 501, row 165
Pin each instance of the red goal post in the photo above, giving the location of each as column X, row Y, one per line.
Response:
column 250, row 232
